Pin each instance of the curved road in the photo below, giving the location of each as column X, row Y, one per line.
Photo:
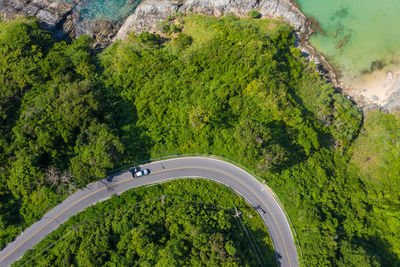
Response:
column 258, row 195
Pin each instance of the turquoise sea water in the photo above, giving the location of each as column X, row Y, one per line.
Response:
column 105, row 9
column 359, row 36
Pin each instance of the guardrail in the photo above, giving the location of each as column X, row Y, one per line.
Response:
column 227, row 160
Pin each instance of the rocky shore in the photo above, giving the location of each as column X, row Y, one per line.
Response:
column 50, row 13
column 149, row 12
column 62, row 19
column 377, row 90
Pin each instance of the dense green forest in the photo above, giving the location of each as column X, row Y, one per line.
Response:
column 231, row 87
column 54, row 130
column 181, row 223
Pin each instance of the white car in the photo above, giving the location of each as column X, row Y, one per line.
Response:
column 142, row 173
column 134, row 170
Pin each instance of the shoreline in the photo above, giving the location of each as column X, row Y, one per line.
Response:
column 61, row 18
column 324, row 67
column 378, row 90
column 149, row 12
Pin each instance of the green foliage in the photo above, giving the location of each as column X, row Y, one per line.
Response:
column 228, row 89
column 187, row 222
column 242, row 91
column 231, row 87
column 172, row 25
column 53, row 128
column 376, row 159
column 183, row 41
column 162, row 26
column 175, row 28
column 22, row 44
column 346, row 120
column 168, row 26
column 96, row 151
column 149, row 39
column 254, row 14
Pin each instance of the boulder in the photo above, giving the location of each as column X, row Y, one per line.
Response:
column 102, row 31
column 393, row 101
column 50, row 13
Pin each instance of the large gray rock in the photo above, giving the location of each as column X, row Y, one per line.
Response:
column 393, row 101
column 50, row 13
column 149, row 12
column 102, row 31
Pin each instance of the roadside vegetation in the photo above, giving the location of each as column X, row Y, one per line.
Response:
column 231, row 87
column 181, row 223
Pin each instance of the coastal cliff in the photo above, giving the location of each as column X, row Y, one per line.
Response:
column 50, row 13
column 149, row 12
column 63, row 19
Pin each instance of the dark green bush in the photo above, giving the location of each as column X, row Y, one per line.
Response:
column 183, row 41
column 149, row 38
column 254, row 14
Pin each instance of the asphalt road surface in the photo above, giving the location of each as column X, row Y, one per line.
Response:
column 258, row 195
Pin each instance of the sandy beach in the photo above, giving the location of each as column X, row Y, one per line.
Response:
column 381, row 87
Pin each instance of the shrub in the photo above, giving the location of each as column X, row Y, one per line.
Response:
column 174, row 28
column 163, row 26
column 183, row 41
column 254, row 14
column 149, row 38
